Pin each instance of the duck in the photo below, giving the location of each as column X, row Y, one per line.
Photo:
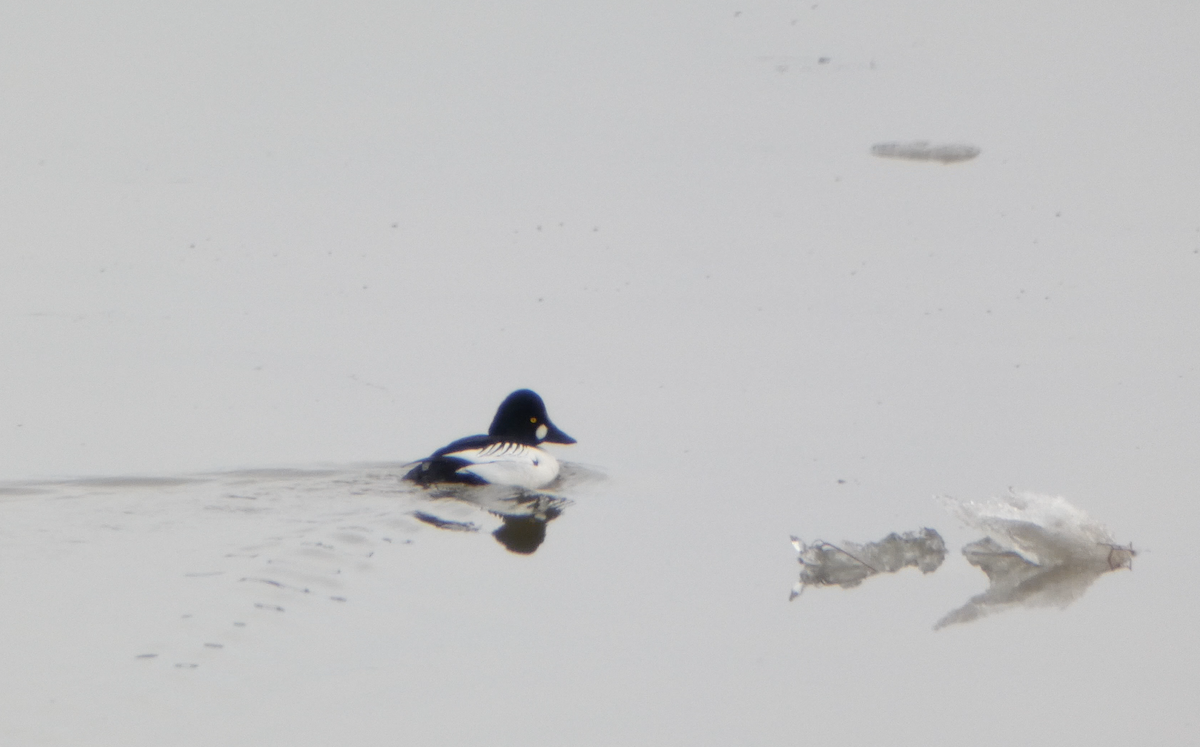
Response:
column 508, row 455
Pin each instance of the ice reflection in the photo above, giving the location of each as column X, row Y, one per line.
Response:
column 1040, row 551
column 846, row 565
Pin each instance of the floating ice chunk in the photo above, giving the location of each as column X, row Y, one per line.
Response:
column 846, row 565
column 1042, row 529
column 1040, row 551
column 922, row 150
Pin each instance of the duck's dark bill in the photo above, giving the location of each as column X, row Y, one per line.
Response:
column 555, row 436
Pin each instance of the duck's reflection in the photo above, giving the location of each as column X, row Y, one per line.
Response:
column 524, row 514
column 522, row 534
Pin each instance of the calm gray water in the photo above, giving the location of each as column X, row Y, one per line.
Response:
column 260, row 257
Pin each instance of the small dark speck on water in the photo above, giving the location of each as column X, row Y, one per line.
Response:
column 841, row 482
column 214, row 645
column 145, row 656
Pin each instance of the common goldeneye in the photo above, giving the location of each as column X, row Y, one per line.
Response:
column 507, row 455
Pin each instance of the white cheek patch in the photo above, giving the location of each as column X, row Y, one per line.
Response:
column 542, row 431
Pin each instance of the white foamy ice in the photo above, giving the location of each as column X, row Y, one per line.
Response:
column 1039, row 551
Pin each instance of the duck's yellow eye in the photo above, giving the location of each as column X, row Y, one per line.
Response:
column 533, row 420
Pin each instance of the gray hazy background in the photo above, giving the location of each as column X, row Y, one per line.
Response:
column 255, row 235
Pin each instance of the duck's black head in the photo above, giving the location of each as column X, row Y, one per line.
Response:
column 522, row 419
